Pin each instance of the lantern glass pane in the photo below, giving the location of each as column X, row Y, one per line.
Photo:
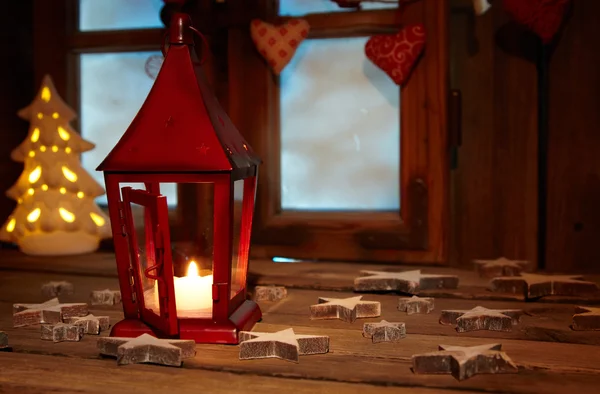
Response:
column 302, row 7
column 113, row 88
column 192, row 250
column 240, row 259
column 146, row 256
column 340, row 130
column 119, row 14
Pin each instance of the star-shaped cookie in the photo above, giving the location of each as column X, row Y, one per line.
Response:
column 147, row 349
column 56, row 288
column 384, row 331
column 50, row 312
column 284, row 344
column 105, row 297
column 415, row 304
column 4, row 342
column 501, row 267
column 586, row 318
column 346, row 309
column 535, row 285
column 464, row 362
column 480, row 318
column 61, row 332
column 91, row 324
column 410, row 282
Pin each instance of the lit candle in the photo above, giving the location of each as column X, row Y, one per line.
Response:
column 193, row 293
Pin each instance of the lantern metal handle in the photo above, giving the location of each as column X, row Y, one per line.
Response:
column 158, row 249
column 149, row 275
column 198, row 33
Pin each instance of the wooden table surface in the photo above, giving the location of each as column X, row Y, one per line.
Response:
column 551, row 357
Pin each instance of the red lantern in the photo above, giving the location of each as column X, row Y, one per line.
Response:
column 181, row 135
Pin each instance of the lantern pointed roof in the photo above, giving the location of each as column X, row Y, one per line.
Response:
column 181, row 127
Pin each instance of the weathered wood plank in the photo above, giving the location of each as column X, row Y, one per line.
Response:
column 97, row 264
column 369, row 364
column 340, row 277
column 544, row 366
column 544, row 322
column 548, row 322
column 346, row 338
column 304, row 275
column 25, row 287
column 31, row 373
column 397, row 373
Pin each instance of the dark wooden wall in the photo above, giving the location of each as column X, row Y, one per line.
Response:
column 574, row 144
column 16, row 90
column 495, row 184
column 493, row 63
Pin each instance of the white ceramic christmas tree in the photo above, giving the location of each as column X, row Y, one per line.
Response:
column 56, row 213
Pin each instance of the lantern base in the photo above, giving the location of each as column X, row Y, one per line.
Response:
column 200, row 330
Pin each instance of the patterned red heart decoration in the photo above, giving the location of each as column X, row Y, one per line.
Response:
column 396, row 54
column 277, row 44
column 543, row 17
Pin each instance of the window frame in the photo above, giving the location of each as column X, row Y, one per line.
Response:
column 58, row 44
column 419, row 232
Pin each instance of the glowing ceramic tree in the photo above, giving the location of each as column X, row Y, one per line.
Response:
column 56, row 213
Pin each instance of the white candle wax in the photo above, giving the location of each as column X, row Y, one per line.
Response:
column 193, row 294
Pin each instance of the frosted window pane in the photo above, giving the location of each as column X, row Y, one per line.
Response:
column 113, row 88
column 119, row 14
column 340, row 127
column 302, row 7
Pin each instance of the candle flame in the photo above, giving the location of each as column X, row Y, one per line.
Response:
column 192, row 269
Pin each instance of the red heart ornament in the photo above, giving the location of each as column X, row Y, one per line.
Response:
column 396, row 54
column 277, row 44
column 543, row 17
